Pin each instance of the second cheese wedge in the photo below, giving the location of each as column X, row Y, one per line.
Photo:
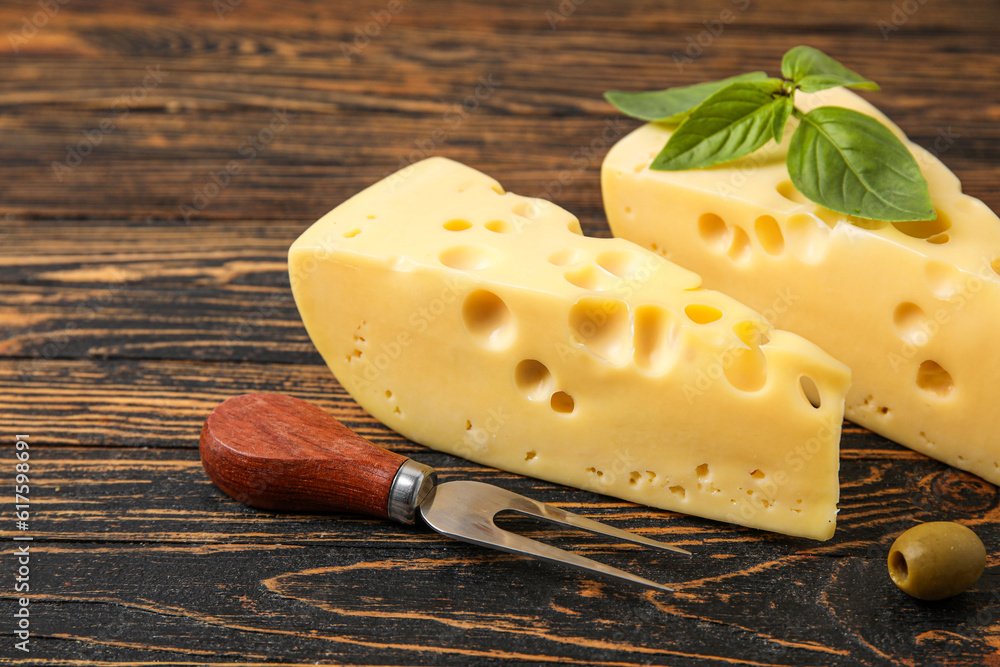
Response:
column 483, row 324
column 913, row 308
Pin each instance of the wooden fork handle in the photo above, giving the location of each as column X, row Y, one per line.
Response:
column 281, row 453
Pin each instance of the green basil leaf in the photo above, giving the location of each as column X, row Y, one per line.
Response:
column 731, row 123
column 781, row 114
column 673, row 104
column 853, row 164
column 812, row 70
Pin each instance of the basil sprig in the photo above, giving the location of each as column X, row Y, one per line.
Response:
column 841, row 159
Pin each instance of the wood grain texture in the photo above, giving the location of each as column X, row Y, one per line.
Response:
column 144, row 281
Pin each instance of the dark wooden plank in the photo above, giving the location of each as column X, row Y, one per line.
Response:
column 209, row 578
column 639, row 17
column 408, row 86
column 125, row 318
column 129, row 494
column 251, row 603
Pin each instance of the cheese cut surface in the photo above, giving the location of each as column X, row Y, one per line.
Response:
column 913, row 308
column 483, row 324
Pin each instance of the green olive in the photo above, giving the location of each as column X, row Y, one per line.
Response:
column 936, row 560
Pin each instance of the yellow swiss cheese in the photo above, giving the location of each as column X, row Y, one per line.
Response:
column 913, row 308
column 483, row 324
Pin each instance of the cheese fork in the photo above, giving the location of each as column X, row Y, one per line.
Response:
column 277, row 452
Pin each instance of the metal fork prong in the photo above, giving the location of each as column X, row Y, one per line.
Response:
column 519, row 544
column 539, row 510
column 465, row 510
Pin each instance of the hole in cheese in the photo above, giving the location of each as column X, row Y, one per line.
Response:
column 787, row 190
column 499, row 226
column 563, row 403
column 810, row 392
column 566, row 256
column 529, row 208
column 701, row 313
column 590, row 277
column 831, row 218
column 757, row 474
column 924, row 229
column 603, row 327
column 457, row 225
column 995, row 265
column 654, row 338
column 533, row 379
column 702, row 471
column 939, row 239
column 634, row 477
column 934, row 379
column 943, row 279
column 530, row 455
column 747, row 368
column 621, row 263
column 678, row 491
column 769, row 234
column 911, row 323
column 713, row 231
column 351, row 233
column 739, row 247
column 488, row 320
column 468, row 257
column 752, row 333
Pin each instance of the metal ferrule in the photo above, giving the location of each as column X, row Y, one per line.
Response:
column 411, row 485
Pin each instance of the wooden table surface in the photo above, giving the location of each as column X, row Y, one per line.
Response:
column 158, row 159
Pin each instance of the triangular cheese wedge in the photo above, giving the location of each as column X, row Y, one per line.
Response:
column 912, row 308
column 483, row 324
